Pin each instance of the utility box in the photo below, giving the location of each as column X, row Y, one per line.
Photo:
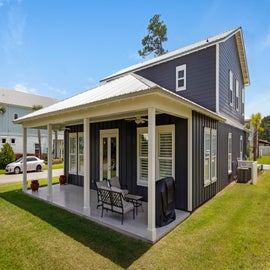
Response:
column 243, row 175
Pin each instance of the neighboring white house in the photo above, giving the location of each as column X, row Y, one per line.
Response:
column 15, row 104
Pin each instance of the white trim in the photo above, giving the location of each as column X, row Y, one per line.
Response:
column 24, row 159
column 86, row 167
column 237, row 95
column 151, row 217
column 230, row 153
column 207, row 131
column 217, row 77
column 73, row 135
column 231, row 87
column 159, row 129
column 50, row 157
column 184, row 69
column 108, row 133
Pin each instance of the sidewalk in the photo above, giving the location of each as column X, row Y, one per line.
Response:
column 8, row 178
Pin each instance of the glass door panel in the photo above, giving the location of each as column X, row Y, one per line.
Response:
column 108, row 154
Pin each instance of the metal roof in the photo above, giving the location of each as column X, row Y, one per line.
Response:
column 190, row 49
column 123, row 87
column 22, row 99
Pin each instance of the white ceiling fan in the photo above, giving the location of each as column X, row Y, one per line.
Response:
column 138, row 119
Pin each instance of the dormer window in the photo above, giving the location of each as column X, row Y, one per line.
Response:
column 181, row 78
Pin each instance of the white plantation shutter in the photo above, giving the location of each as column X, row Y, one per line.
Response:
column 143, row 156
column 165, row 154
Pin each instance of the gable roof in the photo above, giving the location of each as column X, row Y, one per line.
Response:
column 124, row 87
column 22, row 99
column 190, row 49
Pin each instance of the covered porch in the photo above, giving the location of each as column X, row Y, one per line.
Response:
column 115, row 102
column 70, row 197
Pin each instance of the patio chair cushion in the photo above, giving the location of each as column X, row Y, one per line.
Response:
column 114, row 182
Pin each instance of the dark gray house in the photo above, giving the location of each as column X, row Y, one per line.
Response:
column 180, row 114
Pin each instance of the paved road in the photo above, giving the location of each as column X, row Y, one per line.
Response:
column 8, row 178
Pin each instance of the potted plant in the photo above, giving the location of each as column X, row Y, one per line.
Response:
column 62, row 179
column 34, row 185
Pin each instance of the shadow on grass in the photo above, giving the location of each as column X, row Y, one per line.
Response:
column 120, row 249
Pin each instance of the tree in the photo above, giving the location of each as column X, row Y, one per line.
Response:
column 2, row 109
column 265, row 135
column 36, row 108
column 256, row 120
column 157, row 34
column 6, row 155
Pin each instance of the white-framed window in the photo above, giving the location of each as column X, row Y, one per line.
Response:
column 80, row 153
column 243, row 100
column 207, row 149
column 210, row 155
column 3, row 140
column 73, row 152
column 237, row 95
column 231, row 88
column 229, row 152
column 76, row 153
column 213, row 155
column 165, row 154
column 13, row 140
column 181, row 78
column 241, row 147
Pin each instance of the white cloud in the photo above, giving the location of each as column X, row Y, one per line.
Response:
column 54, row 89
column 23, row 88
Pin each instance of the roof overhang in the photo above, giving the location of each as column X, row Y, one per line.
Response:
column 119, row 107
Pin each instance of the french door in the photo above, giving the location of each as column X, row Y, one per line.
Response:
column 109, row 153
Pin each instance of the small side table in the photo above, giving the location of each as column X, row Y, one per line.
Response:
column 136, row 200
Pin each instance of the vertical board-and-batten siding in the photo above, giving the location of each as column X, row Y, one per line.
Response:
column 200, row 193
column 229, row 60
column 201, row 76
column 128, row 155
column 224, row 178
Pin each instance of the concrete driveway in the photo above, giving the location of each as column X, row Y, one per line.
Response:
column 8, row 178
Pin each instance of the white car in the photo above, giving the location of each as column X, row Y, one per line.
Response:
column 33, row 164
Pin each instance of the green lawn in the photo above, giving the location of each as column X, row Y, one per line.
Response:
column 264, row 160
column 231, row 231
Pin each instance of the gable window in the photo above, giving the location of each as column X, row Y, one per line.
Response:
column 231, row 88
column 181, row 78
column 243, row 101
column 210, row 155
column 15, row 116
column 229, row 152
column 237, row 95
column 165, row 156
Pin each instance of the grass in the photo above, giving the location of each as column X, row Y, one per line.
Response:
column 231, row 231
column 264, row 160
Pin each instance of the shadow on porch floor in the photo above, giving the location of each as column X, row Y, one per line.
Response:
column 70, row 197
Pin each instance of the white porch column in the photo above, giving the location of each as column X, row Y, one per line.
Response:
column 151, row 174
column 86, row 186
column 49, row 135
column 24, row 159
column 189, row 162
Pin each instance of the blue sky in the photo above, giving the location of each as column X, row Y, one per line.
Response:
column 59, row 48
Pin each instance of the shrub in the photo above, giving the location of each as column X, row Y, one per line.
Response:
column 6, row 155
